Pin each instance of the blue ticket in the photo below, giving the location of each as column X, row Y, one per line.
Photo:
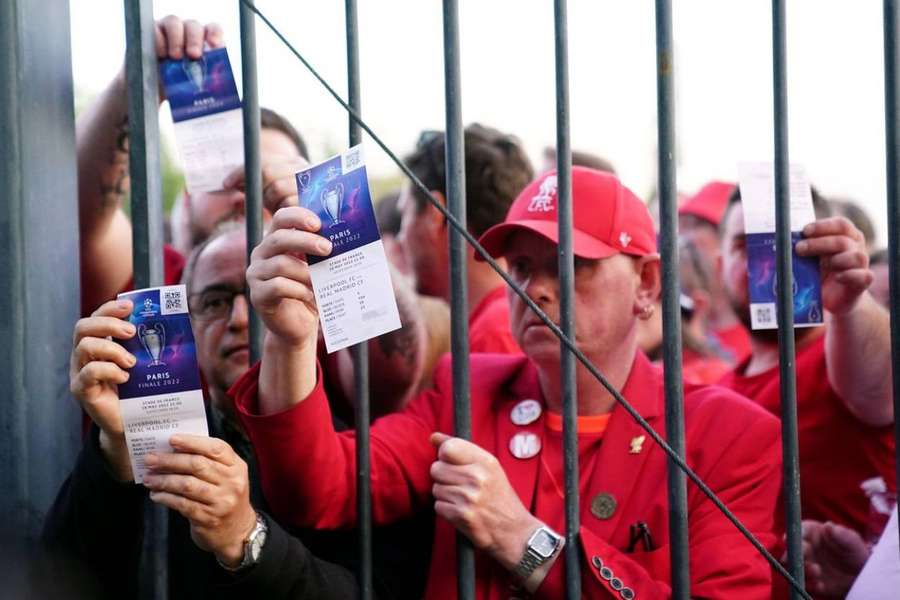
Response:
column 353, row 284
column 163, row 394
column 206, row 109
column 757, row 181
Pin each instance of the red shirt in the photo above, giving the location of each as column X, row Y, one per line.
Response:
column 837, row 451
column 701, row 368
column 489, row 325
column 309, row 477
column 735, row 340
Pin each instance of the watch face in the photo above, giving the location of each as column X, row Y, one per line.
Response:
column 544, row 543
column 256, row 545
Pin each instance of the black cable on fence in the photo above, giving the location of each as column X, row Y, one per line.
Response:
column 566, row 341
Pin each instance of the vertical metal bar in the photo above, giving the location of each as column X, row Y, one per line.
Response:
column 891, row 112
column 360, row 351
column 143, row 147
column 39, row 432
column 679, row 553
column 785, row 301
column 567, row 307
column 459, row 310
column 252, row 169
column 146, row 216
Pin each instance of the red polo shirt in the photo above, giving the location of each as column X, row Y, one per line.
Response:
column 837, row 451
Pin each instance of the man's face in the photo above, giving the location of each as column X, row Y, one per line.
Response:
column 734, row 263
column 219, row 312
column 702, row 234
column 604, row 299
column 209, row 209
column 423, row 237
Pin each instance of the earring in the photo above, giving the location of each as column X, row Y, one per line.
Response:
column 646, row 312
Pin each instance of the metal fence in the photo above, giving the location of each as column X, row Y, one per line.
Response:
column 147, row 215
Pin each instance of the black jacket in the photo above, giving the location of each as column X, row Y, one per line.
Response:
column 94, row 531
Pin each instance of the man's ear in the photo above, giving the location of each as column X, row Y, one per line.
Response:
column 436, row 219
column 650, row 281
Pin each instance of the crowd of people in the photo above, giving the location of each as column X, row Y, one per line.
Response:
column 265, row 506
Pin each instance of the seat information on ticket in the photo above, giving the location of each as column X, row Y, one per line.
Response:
column 353, row 284
column 163, row 395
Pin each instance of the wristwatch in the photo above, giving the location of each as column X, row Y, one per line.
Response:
column 542, row 545
column 253, row 545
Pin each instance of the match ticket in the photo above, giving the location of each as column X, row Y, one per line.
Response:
column 353, row 284
column 757, row 181
column 162, row 395
column 206, row 109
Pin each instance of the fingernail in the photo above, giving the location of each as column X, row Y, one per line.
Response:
column 174, row 440
column 123, row 304
column 313, row 223
column 324, row 246
column 149, row 480
column 801, row 246
column 151, row 459
column 131, row 360
column 129, row 329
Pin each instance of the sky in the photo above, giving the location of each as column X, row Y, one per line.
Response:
column 723, row 74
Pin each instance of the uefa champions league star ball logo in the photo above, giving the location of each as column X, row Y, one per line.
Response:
column 153, row 339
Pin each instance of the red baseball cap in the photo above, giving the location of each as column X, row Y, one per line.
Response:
column 709, row 203
column 608, row 218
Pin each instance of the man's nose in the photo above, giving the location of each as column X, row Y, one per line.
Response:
column 542, row 287
column 240, row 313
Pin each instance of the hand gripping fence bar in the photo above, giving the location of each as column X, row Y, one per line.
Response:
column 459, row 312
column 147, row 234
column 566, row 341
column 360, row 351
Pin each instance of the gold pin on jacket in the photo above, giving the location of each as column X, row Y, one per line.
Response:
column 637, row 444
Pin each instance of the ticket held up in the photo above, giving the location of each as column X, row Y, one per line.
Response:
column 757, row 183
column 353, row 284
column 206, row 109
column 163, row 395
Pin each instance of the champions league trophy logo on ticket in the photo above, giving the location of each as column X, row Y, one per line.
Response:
column 153, row 339
column 333, row 198
column 195, row 71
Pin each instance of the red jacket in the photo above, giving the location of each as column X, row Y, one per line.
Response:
column 308, row 474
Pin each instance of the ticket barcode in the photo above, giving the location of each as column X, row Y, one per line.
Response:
column 763, row 316
column 173, row 301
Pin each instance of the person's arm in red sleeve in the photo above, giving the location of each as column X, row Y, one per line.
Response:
column 308, row 470
column 102, row 147
column 857, row 339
